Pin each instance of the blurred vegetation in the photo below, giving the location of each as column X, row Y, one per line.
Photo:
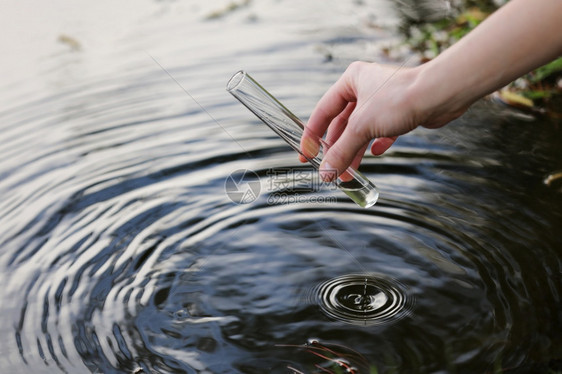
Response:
column 539, row 91
column 229, row 8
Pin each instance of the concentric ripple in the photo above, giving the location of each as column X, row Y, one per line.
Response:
column 363, row 299
column 122, row 250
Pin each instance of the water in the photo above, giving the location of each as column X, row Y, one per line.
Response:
column 363, row 299
column 123, row 253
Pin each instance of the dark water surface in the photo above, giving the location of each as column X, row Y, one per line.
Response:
column 121, row 252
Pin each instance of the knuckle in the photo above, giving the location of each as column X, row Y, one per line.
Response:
column 357, row 130
column 355, row 65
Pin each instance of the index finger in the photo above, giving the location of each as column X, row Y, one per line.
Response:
column 333, row 102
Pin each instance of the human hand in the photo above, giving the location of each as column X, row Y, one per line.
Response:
column 369, row 101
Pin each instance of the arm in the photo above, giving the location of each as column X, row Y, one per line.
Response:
column 371, row 101
column 519, row 37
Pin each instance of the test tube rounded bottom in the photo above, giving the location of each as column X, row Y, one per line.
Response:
column 363, row 194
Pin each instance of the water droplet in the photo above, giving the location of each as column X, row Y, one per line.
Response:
column 364, row 300
column 312, row 341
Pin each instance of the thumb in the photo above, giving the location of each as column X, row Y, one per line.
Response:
column 340, row 155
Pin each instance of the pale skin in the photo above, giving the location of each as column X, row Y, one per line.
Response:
column 372, row 101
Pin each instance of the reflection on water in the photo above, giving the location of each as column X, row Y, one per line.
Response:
column 122, row 252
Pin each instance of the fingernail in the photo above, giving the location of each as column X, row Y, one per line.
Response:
column 327, row 172
column 310, row 147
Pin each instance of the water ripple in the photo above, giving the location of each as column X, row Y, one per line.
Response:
column 363, row 299
column 121, row 251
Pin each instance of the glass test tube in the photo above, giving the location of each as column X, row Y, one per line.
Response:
column 285, row 124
